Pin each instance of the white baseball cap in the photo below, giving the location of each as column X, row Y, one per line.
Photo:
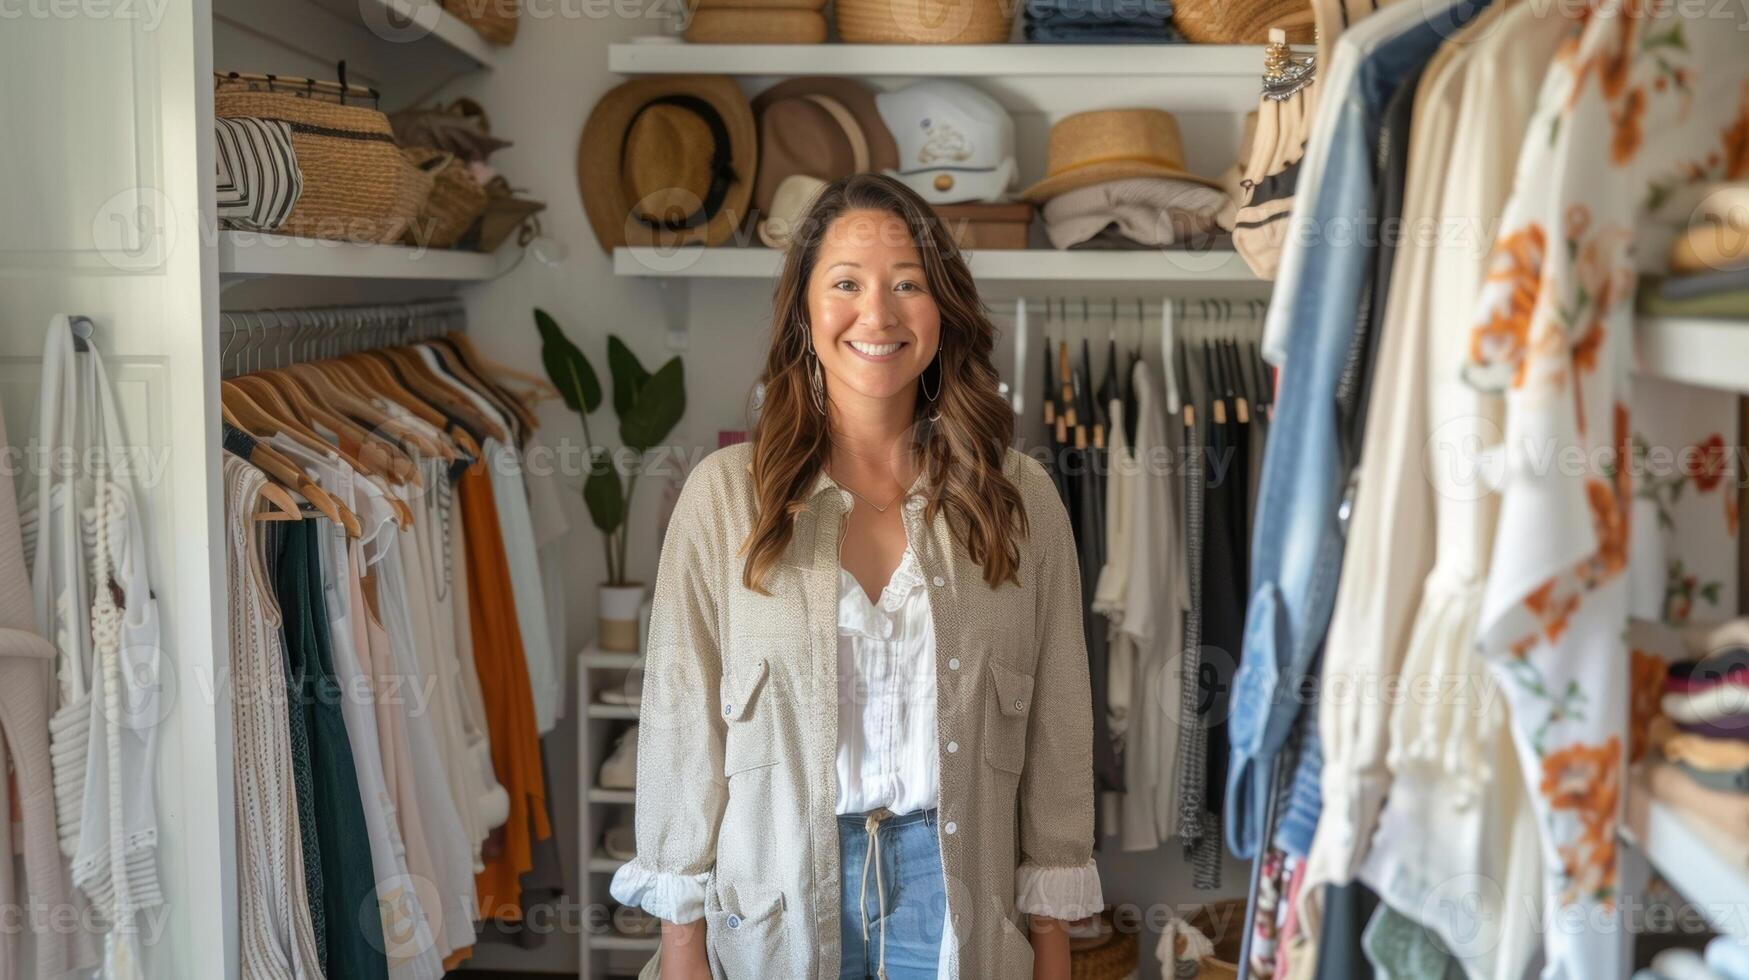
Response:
column 956, row 144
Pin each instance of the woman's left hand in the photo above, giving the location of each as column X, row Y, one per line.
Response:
column 1050, row 948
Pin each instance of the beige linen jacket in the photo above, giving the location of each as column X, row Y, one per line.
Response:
column 738, row 735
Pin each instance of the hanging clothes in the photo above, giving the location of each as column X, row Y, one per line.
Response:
column 1299, row 527
column 26, row 686
column 277, row 935
column 1552, row 330
column 94, row 600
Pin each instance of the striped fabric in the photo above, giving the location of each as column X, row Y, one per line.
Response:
column 259, row 181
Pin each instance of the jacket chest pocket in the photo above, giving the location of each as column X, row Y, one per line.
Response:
column 1007, row 710
column 748, row 710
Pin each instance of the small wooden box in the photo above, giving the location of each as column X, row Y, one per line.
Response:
column 975, row 226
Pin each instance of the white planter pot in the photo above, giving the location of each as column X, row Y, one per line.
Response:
column 618, row 617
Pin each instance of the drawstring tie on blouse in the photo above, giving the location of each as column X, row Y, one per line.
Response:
column 872, row 855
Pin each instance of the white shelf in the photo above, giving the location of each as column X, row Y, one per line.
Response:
column 444, row 28
column 617, row 941
column 1706, row 353
column 597, row 659
column 990, row 265
column 616, row 711
column 1687, row 853
column 602, row 864
column 943, row 60
column 245, row 254
column 599, row 795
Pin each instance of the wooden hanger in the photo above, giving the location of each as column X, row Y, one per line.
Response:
column 320, row 382
column 512, row 411
column 458, row 343
column 281, row 505
column 543, row 387
column 241, row 411
column 345, row 377
column 423, row 381
column 370, row 378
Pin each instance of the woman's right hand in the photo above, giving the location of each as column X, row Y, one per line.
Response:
column 683, row 955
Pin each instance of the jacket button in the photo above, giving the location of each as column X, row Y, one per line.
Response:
column 950, row 826
column 734, row 921
column 953, row 664
column 1019, row 705
column 728, row 709
column 939, row 581
column 953, row 746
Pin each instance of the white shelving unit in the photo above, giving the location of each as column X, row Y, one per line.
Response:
column 991, row 265
column 246, row 255
column 1686, row 853
column 1705, row 353
column 592, row 806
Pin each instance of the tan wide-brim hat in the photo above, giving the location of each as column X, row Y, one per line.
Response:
column 1112, row 144
column 668, row 160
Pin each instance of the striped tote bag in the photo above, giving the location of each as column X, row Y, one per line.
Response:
column 258, row 179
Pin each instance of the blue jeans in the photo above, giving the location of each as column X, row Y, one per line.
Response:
column 911, row 893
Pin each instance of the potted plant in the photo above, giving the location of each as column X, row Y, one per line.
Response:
column 648, row 406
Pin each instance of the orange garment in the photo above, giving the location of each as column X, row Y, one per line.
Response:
column 503, row 670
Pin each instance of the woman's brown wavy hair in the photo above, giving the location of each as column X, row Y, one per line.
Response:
column 963, row 450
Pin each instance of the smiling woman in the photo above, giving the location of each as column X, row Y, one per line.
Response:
column 948, row 629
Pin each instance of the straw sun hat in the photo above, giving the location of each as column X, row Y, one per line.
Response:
column 1112, row 144
column 668, row 160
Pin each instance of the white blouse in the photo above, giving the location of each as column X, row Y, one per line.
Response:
column 886, row 695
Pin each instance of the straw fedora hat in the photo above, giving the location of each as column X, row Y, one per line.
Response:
column 1111, row 144
column 668, row 160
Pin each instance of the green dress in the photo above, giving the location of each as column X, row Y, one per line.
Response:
column 352, row 939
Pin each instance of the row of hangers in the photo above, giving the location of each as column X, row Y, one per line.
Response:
column 290, row 371
column 1220, row 333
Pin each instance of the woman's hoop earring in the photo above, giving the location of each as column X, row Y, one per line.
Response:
column 816, row 383
column 935, row 415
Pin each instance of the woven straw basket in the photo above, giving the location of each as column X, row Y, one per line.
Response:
column 925, row 21
column 1240, row 21
column 357, row 186
column 1110, row 955
column 456, row 201
column 494, row 20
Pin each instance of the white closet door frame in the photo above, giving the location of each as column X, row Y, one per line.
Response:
column 108, row 109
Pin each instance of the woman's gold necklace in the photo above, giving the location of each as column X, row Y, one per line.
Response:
column 878, row 508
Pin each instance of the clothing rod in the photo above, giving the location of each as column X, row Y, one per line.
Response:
column 1071, row 310
column 253, row 340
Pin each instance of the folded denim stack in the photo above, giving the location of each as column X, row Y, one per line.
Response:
column 1100, row 22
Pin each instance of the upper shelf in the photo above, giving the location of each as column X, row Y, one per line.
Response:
column 245, row 255
column 660, row 56
column 1050, row 79
column 1707, row 353
column 990, row 265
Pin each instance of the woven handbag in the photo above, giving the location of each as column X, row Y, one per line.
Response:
column 455, row 202
column 924, row 21
column 357, row 186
